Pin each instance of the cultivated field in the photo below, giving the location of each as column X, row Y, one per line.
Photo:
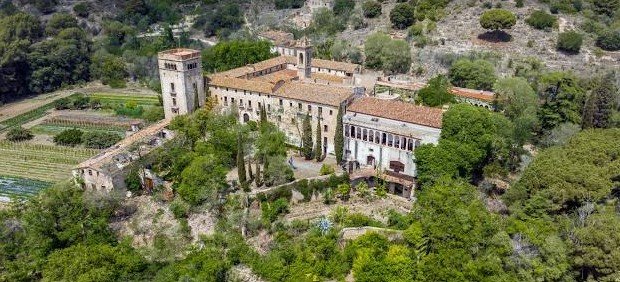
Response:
column 41, row 162
column 19, row 187
column 121, row 98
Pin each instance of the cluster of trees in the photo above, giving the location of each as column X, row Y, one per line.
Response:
column 389, row 55
column 90, row 139
column 236, row 53
column 29, row 64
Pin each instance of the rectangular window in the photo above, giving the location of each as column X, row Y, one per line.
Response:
column 281, row 103
column 299, row 106
column 309, row 108
column 410, row 145
column 172, row 87
column 324, row 128
column 174, row 102
column 330, row 112
column 320, row 110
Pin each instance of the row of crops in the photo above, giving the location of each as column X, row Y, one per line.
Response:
column 25, row 117
column 47, row 163
column 15, row 187
column 113, row 98
column 54, row 129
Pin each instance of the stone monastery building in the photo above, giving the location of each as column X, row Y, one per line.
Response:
column 379, row 134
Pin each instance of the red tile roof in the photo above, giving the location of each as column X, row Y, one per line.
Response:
column 397, row 110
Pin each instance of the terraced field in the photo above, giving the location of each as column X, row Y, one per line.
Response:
column 40, row 162
column 113, row 98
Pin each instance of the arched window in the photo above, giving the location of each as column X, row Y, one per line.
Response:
column 365, row 135
column 390, row 140
column 403, row 143
column 352, row 132
column 384, row 139
column 377, row 137
column 396, row 142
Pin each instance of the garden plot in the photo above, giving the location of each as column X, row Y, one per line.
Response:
column 40, row 162
column 117, row 98
column 14, row 187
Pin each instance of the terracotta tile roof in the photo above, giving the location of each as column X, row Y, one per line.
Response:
column 327, row 77
column 334, row 65
column 274, row 77
column 474, row 94
column 279, row 38
column 242, row 84
column 397, row 110
column 260, row 66
column 315, row 93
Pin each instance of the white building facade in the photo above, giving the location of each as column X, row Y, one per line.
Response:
column 182, row 82
column 383, row 134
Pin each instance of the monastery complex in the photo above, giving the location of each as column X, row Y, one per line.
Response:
column 380, row 131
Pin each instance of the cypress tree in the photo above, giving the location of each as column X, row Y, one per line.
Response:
column 263, row 114
column 250, row 170
column 241, row 163
column 599, row 106
column 306, row 138
column 318, row 149
column 339, row 137
column 258, row 179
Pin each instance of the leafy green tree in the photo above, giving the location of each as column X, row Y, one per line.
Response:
column 463, row 240
column 570, row 42
column 69, row 137
column 373, row 48
column 100, row 139
column 599, row 107
column 437, row 92
column 471, row 138
column 278, row 171
column 202, row 180
column 402, row 15
column 562, row 97
column 110, row 69
column 306, row 138
column 371, row 8
column 318, row 146
column 478, row 74
column 566, row 177
column 270, row 142
column 606, row 7
column 208, row 264
column 339, row 137
column 82, row 9
column 597, row 243
column 498, row 19
column 19, row 133
column 133, row 181
column 519, row 102
column 99, row 262
column 232, row 54
column 324, row 21
column 58, row 22
column 20, row 26
column 396, row 56
column 609, row 40
column 289, row 4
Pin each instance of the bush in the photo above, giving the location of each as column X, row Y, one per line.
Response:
column 289, row 4
column 129, row 109
column 271, row 210
column 343, row 7
column 326, row 169
column 81, row 9
column 19, row 134
column 179, row 208
column 371, row 8
column 497, row 19
column 69, row 137
column 154, row 114
column 609, row 40
column 478, row 74
column 100, row 139
column 541, row 20
column 402, row 16
column 570, row 42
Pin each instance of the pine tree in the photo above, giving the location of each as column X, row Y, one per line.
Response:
column 318, row 149
column 241, row 164
column 599, row 106
column 339, row 137
column 306, row 138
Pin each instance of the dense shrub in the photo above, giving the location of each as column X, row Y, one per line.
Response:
column 271, row 210
column 371, row 8
column 497, row 19
column 154, row 114
column 541, row 20
column 179, row 208
column 570, row 42
column 326, row 169
column 100, row 139
column 19, row 133
column 82, row 9
column 609, row 40
column 69, row 137
column 477, row 74
column 289, row 4
column 343, row 7
column 402, row 16
column 129, row 109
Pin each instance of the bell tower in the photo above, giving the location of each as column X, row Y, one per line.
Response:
column 303, row 49
column 182, row 83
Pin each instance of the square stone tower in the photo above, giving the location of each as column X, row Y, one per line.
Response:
column 182, row 82
column 304, row 58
